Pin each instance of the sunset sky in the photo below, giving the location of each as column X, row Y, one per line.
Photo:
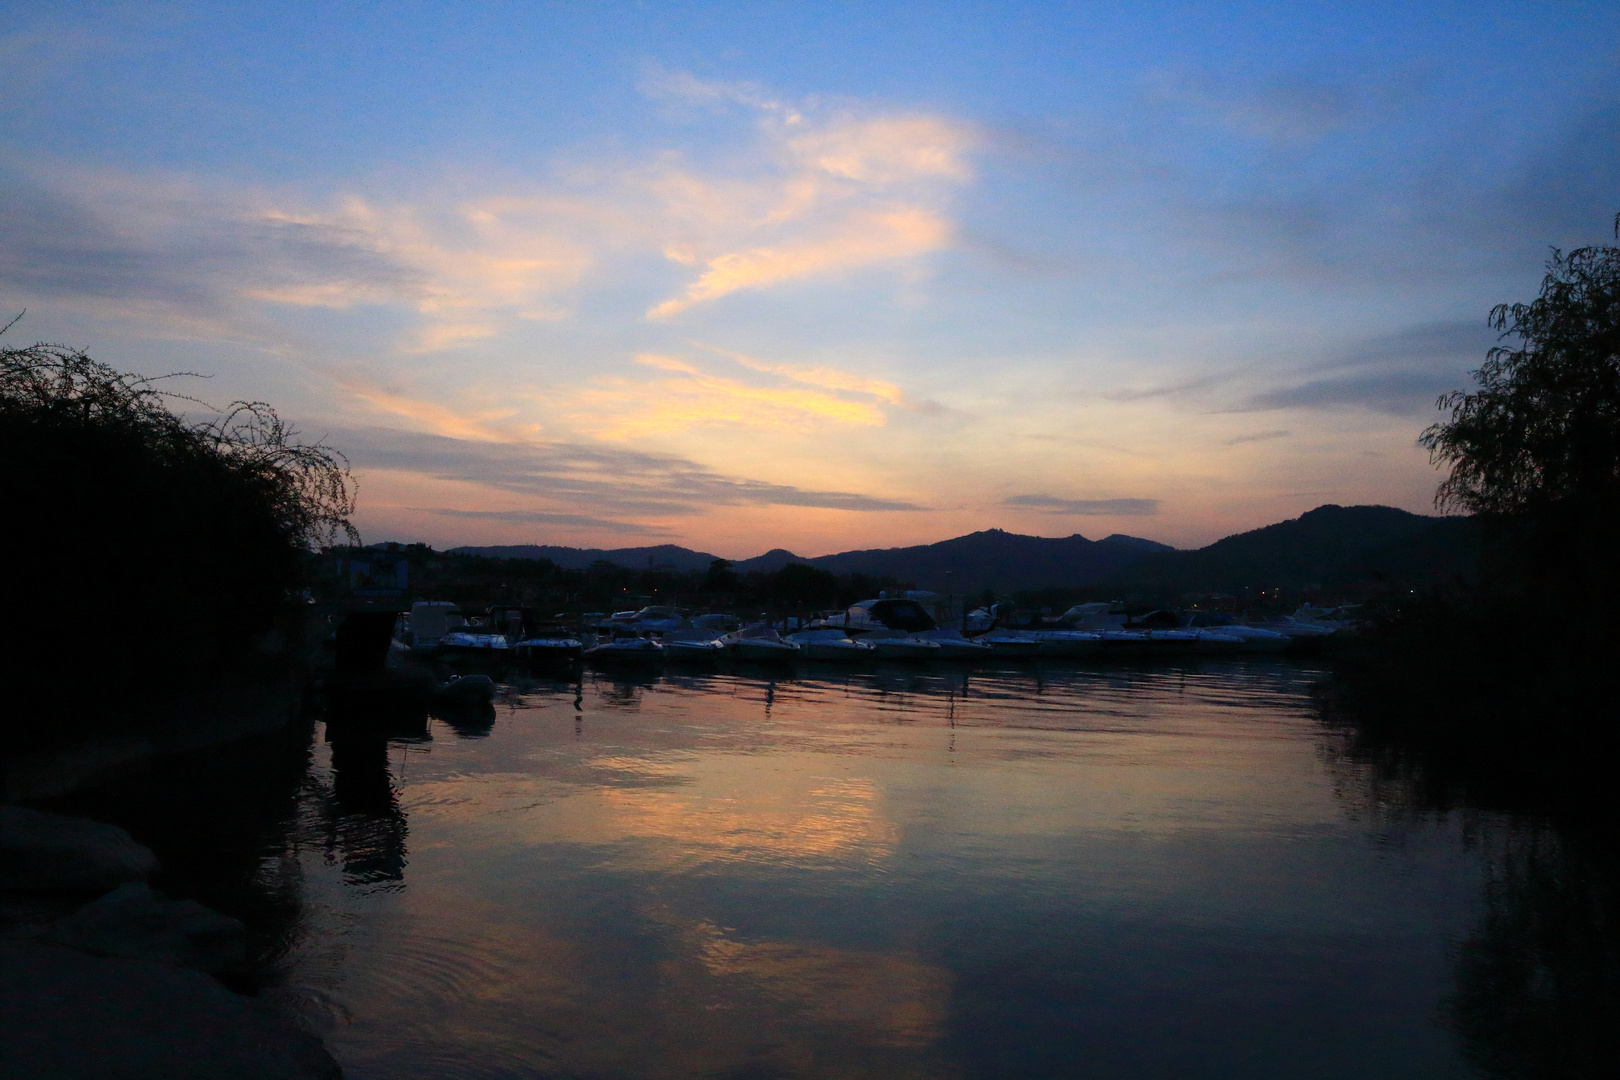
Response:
column 740, row 276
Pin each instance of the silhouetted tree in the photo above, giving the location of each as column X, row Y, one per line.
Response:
column 1535, row 450
column 146, row 548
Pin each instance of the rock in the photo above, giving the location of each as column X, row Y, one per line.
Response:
column 133, row 921
column 64, row 1014
column 42, row 852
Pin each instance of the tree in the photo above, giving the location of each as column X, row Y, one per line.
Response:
column 148, row 550
column 1542, row 433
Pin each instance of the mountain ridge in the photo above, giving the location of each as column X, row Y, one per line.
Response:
column 1329, row 546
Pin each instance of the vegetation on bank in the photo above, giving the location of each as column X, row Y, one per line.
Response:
column 148, row 552
column 1515, row 666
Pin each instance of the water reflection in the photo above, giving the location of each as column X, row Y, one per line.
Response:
column 1032, row 871
column 1536, row 977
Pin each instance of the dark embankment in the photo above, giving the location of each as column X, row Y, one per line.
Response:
column 151, row 556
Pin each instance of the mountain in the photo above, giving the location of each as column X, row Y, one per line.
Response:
column 997, row 560
column 572, row 558
column 768, row 563
column 1329, row 547
column 991, row 559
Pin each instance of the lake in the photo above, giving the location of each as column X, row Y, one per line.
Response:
column 1175, row 870
column 1151, row 871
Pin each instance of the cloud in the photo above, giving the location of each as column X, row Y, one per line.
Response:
column 608, row 480
column 215, row 257
column 1259, row 436
column 1399, row 393
column 690, row 397
column 544, row 517
column 842, row 193
column 1051, row 504
column 1400, row 373
column 859, row 240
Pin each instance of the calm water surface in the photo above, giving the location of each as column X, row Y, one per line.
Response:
column 1156, row 872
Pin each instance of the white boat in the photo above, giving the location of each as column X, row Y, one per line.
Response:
column 473, row 643
column 890, row 645
column 831, row 643
column 692, row 645
column 759, row 643
column 549, row 649
column 953, row 646
column 886, row 613
column 1011, row 644
column 625, row 651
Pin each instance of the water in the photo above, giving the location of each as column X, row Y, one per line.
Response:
column 1150, row 872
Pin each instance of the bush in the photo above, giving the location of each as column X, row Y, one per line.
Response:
column 146, row 550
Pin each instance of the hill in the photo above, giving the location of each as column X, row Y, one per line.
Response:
column 1331, row 547
column 997, row 560
column 991, row 559
column 663, row 556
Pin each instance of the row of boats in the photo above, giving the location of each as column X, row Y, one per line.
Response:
column 887, row 628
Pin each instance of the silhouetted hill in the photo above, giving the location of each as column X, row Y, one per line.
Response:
column 572, row 558
column 997, row 560
column 991, row 559
column 1332, row 547
column 768, row 563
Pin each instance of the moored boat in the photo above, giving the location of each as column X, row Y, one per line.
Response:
column 831, row 644
column 692, row 645
column 625, row 650
column 896, row 646
column 953, row 646
column 760, row 643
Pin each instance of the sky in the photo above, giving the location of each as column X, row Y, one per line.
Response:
column 813, row 276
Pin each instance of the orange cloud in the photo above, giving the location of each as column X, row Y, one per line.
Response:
column 862, row 240
column 692, row 397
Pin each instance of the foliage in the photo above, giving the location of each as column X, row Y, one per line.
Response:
column 147, row 541
column 1544, row 425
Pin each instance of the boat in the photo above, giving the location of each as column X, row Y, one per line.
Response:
column 885, row 613
column 1251, row 638
column 625, row 651
column 692, row 645
column 893, row 645
column 1011, row 644
column 548, row 647
column 760, row 643
column 831, row 643
column 428, row 622
column 473, row 644
column 954, row 646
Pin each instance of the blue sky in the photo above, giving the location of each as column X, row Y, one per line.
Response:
column 821, row 277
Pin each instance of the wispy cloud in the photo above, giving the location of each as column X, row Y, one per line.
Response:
column 614, row 482
column 544, row 517
column 1051, row 504
column 843, row 192
column 1259, row 436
